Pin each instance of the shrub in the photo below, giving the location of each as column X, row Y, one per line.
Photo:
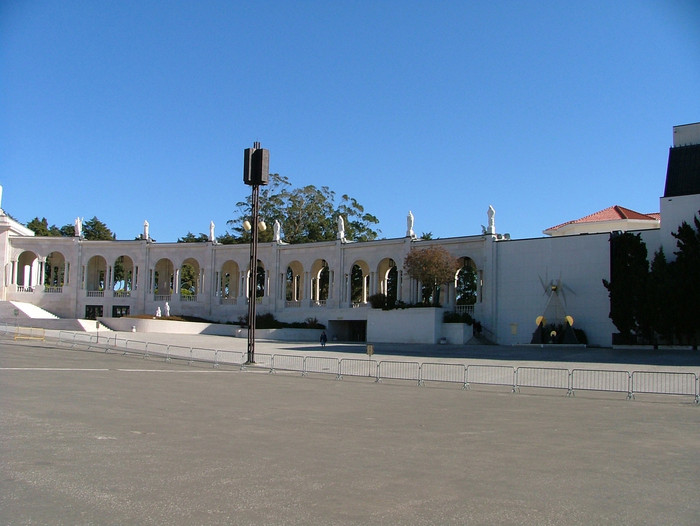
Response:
column 377, row 301
column 454, row 317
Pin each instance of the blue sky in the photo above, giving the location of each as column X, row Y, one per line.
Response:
column 140, row 110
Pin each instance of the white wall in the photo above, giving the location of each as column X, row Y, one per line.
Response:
column 581, row 262
column 419, row 325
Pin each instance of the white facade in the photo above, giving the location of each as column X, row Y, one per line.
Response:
column 75, row 278
column 513, row 279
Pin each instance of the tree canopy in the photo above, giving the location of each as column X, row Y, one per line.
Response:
column 93, row 229
column 657, row 302
column 432, row 266
column 41, row 227
column 305, row 214
column 191, row 238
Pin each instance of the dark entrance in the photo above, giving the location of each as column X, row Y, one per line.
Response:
column 348, row 330
column 92, row 312
column 120, row 310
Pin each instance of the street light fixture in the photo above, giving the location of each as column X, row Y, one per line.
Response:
column 256, row 172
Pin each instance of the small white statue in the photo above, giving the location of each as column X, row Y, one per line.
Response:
column 341, row 228
column 167, row 308
column 145, row 230
column 158, row 312
column 409, row 225
column 211, row 232
column 78, row 227
column 276, row 231
column 492, row 223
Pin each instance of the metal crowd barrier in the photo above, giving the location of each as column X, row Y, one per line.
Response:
column 398, row 371
column 444, row 372
column 549, row 378
column 491, row 375
column 605, row 380
column 662, row 382
column 601, row 380
column 357, row 367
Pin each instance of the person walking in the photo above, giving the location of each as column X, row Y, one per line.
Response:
column 324, row 338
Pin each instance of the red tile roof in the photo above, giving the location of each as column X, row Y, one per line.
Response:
column 612, row 213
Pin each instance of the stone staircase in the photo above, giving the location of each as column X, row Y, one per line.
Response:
column 19, row 309
column 27, row 314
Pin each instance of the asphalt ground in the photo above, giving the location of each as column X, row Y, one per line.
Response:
column 95, row 438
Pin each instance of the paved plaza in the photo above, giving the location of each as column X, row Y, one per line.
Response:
column 95, row 438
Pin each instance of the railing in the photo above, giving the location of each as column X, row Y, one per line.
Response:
column 465, row 309
column 95, row 293
column 188, row 297
column 515, row 379
column 161, row 297
column 22, row 288
column 122, row 294
column 318, row 303
column 228, row 301
column 48, row 289
column 292, row 304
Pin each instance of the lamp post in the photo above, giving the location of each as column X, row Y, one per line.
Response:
column 256, row 162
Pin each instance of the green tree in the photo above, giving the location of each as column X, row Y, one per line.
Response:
column 41, row 227
column 433, row 267
column 188, row 280
column 627, row 287
column 305, row 214
column 466, row 285
column 685, row 272
column 660, row 297
column 96, row 230
column 191, row 238
column 227, row 239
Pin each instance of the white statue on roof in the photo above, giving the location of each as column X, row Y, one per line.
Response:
column 341, row 228
column 211, row 231
column 409, row 225
column 276, row 227
column 78, row 227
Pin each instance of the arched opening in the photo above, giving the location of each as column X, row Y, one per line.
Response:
column 228, row 286
column 359, row 283
column 190, row 280
column 27, row 272
column 293, row 284
column 320, row 282
column 466, row 286
column 388, row 280
column 123, row 277
column 163, row 279
column 55, row 272
column 260, row 282
column 95, row 276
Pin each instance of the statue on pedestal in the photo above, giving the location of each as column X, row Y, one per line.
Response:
column 409, row 225
column 341, row 228
column 276, row 232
